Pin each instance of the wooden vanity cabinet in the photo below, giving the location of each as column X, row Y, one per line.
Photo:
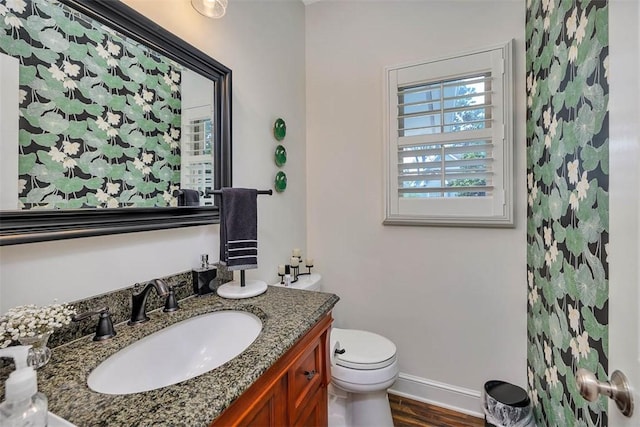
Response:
column 293, row 392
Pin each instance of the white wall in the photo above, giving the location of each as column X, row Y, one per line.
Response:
column 263, row 43
column 452, row 299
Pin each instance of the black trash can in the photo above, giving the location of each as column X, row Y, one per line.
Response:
column 506, row 405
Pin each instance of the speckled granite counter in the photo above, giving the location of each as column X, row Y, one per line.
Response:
column 286, row 315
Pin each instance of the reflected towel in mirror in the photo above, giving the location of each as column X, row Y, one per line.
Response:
column 188, row 197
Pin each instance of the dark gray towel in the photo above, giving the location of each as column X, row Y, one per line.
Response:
column 188, row 197
column 239, row 228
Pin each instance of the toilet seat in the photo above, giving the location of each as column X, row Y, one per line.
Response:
column 364, row 381
column 361, row 350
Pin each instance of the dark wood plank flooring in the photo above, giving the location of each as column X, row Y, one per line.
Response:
column 411, row 413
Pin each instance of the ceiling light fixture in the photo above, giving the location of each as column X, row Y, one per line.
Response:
column 210, row 8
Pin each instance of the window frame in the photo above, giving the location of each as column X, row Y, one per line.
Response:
column 445, row 211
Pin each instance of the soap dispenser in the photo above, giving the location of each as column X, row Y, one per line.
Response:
column 204, row 277
column 24, row 405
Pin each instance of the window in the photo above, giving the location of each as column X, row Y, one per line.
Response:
column 449, row 141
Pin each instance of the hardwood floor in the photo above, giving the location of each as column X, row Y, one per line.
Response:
column 411, row 413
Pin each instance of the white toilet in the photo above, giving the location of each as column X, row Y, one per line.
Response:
column 363, row 367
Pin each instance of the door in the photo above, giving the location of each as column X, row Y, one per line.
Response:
column 624, row 191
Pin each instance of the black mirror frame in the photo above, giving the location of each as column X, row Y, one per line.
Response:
column 18, row 227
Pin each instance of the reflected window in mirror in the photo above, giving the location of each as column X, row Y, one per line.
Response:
column 197, row 148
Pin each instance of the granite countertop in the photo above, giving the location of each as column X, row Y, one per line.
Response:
column 286, row 315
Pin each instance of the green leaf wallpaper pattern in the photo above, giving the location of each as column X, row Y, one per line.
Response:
column 99, row 115
column 568, row 205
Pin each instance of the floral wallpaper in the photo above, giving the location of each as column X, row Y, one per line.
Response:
column 567, row 218
column 99, row 114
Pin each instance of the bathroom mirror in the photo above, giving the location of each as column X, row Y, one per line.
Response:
column 117, row 117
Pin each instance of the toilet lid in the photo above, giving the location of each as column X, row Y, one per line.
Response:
column 362, row 349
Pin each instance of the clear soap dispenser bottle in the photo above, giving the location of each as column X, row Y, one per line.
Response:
column 24, row 406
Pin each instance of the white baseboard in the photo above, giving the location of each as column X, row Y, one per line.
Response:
column 440, row 394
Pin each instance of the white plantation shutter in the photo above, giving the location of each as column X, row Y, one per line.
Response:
column 462, row 169
column 449, row 141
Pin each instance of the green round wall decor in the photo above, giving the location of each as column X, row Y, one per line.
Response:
column 281, row 182
column 279, row 129
column 280, row 156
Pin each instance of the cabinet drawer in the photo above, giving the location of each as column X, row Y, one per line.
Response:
column 306, row 376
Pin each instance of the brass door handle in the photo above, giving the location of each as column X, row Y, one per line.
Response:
column 617, row 389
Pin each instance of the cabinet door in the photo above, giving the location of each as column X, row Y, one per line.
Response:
column 268, row 409
column 314, row 413
column 271, row 410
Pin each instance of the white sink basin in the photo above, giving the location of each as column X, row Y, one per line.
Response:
column 176, row 353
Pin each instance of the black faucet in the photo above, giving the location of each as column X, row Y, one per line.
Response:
column 139, row 301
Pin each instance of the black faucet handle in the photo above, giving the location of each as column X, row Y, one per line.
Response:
column 82, row 316
column 171, row 303
column 104, row 329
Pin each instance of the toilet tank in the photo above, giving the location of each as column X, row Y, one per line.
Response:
column 310, row 282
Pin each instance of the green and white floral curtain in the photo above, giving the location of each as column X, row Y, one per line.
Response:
column 567, row 217
column 99, row 114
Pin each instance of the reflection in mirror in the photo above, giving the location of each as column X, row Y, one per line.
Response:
column 197, row 147
column 104, row 122
column 100, row 108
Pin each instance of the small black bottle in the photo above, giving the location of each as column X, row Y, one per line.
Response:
column 204, row 277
